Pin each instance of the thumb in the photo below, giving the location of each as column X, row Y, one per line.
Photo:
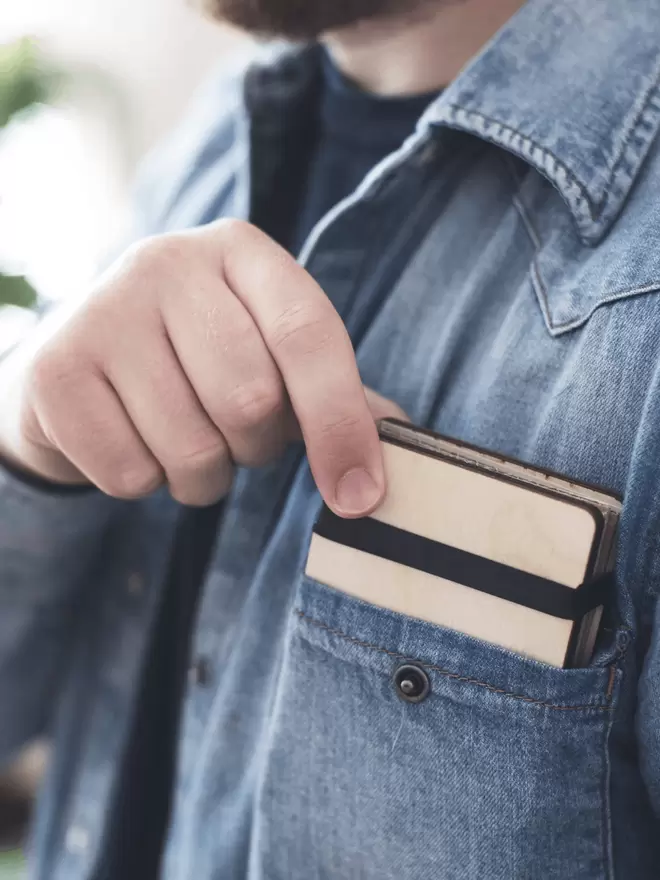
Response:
column 382, row 408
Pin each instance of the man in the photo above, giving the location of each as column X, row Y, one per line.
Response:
column 484, row 235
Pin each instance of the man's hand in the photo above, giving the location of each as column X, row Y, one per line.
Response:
column 196, row 351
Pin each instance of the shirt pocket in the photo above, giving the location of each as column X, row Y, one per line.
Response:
column 486, row 764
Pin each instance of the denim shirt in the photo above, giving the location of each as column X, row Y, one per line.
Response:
column 500, row 278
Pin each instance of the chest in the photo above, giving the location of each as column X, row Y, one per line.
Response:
column 471, row 304
column 480, row 326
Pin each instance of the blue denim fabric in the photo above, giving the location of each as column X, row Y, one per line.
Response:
column 499, row 276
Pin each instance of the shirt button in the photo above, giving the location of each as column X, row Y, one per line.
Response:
column 200, row 672
column 135, row 584
column 77, row 839
column 412, row 683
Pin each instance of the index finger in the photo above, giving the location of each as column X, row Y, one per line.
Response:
column 312, row 349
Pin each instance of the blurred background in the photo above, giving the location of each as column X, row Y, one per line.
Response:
column 87, row 87
column 120, row 74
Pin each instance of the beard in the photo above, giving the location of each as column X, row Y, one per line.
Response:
column 304, row 19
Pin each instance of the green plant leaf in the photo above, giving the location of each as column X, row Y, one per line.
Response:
column 25, row 79
column 16, row 291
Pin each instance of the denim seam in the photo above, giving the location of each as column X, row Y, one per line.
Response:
column 528, row 148
column 649, row 570
column 595, row 210
column 445, row 672
column 608, row 859
column 620, row 160
column 540, row 286
column 530, row 229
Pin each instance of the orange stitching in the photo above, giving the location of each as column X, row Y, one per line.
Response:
column 446, row 672
column 610, row 685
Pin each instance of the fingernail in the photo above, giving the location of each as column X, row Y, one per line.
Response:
column 357, row 493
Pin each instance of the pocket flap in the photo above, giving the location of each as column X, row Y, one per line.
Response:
column 571, row 279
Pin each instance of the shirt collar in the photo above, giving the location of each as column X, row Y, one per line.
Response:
column 571, row 87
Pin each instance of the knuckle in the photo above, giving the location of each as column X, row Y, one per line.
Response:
column 188, row 497
column 202, row 457
column 29, row 426
column 235, row 232
column 50, row 368
column 161, row 254
column 341, row 427
column 41, row 373
column 340, row 440
column 194, row 494
column 254, row 404
column 133, row 482
column 301, row 331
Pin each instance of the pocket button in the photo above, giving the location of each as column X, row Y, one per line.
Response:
column 412, row 683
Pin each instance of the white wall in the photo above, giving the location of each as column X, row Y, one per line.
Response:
column 65, row 175
column 155, row 50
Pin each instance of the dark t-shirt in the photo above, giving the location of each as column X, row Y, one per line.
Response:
column 355, row 131
column 352, row 131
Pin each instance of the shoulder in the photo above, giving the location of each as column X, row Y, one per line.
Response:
column 206, row 134
column 200, row 172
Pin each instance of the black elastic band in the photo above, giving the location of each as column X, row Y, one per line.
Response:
column 486, row 575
